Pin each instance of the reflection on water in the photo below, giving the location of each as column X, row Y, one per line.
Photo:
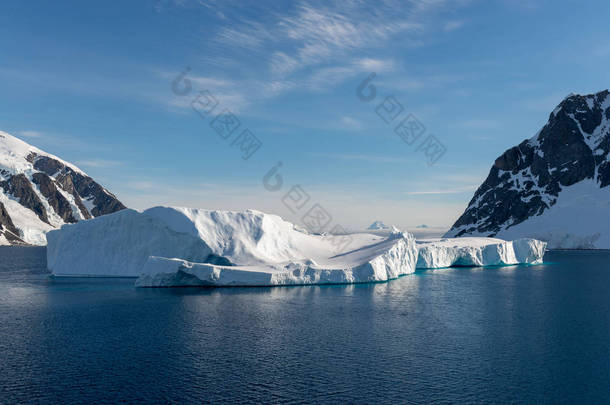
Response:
column 511, row 334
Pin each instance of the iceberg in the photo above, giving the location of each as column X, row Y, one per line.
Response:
column 380, row 261
column 171, row 247
column 478, row 251
column 167, row 246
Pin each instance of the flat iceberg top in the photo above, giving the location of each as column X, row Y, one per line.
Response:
column 472, row 242
column 254, row 238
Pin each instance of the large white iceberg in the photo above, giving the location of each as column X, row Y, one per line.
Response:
column 166, row 246
column 162, row 245
column 478, row 251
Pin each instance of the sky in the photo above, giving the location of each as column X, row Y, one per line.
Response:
column 120, row 89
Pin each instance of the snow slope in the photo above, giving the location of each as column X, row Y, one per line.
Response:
column 579, row 220
column 472, row 251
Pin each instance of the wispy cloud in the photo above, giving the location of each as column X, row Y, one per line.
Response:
column 316, row 46
column 480, row 123
column 544, row 104
column 362, row 157
column 321, row 33
column 31, row 134
column 351, row 123
column 460, row 190
column 453, row 25
column 101, row 163
column 374, row 65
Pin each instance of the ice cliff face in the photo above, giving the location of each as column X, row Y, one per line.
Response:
column 553, row 186
column 118, row 245
column 40, row 192
column 447, row 252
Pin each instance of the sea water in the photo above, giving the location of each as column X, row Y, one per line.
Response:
column 518, row 334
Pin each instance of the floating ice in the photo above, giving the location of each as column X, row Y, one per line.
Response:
column 166, row 247
column 474, row 251
column 231, row 244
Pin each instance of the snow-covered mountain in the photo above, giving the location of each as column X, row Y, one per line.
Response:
column 40, row 192
column 554, row 186
column 378, row 226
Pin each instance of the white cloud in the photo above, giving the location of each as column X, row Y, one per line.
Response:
column 282, row 64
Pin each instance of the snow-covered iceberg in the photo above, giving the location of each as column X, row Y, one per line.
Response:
column 181, row 246
column 475, row 251
column 166, row 247
column 380, row 260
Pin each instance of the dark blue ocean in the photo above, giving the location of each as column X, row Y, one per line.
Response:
column 469, row 335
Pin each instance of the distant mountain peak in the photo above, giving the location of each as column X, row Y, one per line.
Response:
column 378, row 226
column 40, row 192
column 528, row 180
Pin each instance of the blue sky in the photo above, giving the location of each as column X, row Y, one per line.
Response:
column 92, row 83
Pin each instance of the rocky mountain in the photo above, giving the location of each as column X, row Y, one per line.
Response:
column 40, row 192
column 554, row 186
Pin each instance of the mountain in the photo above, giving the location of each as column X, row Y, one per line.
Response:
column 378, row 226
column 40, row 192
column 554, row 186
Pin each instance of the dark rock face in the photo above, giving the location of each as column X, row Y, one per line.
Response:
column 105, row 202
column 526, row 180
column 46, row 164
column 20, row 187
column 80, row 186
column 55, row 199
column 65, row 182
column 7, row 228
